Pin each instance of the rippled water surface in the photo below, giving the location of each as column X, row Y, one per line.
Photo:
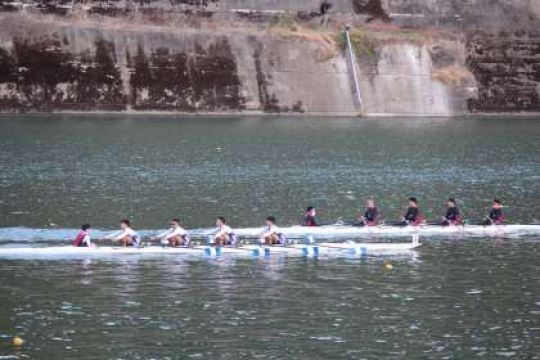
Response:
column 455, row 298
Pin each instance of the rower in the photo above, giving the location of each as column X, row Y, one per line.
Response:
column 412, row 216
column 176, row 236
column 496, row 215
column 452, row 216
column 224, row 235
column 83, row 237
column 371, row 216
column 272, row 235
column 126, row 236
column 310, row 217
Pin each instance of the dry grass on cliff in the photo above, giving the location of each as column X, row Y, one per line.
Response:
column 325, row 41
column 451, row 75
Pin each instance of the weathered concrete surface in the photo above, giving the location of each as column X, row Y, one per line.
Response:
column 399, row 81
column 507, row 69
column 57, row 66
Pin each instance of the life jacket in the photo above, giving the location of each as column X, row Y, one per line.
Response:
column 80, row 238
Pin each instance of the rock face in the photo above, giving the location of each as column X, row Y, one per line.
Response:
column 490, row 64
column 507, row 69
column 46, row 66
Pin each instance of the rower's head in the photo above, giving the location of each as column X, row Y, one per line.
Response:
column 370, row 203
column 270, row 221
column 311, row 211
column 86, row 227
column 413, row 202
column 124, row 224
column 497, row 204
column 451, row 202
column 220, row 221
column 175, row 223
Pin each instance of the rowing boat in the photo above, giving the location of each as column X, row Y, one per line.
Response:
column 298, row 250
column 337, row 231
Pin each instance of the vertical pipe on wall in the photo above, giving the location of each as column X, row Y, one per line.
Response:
column 352, row 58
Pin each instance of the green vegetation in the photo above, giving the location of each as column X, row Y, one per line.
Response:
column 366, row 40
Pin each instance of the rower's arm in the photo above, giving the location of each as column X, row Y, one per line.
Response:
column 175, row 233
column 163, row 235
column 114, row 235
column 119, row 235
column 220, row 233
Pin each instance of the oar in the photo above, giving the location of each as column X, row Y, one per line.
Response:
column 348, row 223
column 393, row 222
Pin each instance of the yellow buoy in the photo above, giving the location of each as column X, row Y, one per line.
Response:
column 17, row 341
column 388, row 266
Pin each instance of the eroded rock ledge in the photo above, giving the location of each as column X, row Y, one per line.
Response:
column 413, row 57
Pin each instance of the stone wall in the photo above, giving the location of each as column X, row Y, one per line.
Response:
column 492, row 65
column 507, row 68
column 47, row 66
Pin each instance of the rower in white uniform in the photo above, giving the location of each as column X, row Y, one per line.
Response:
column 126, row 236
column 272, row 235
column 175, row 236
column 224, row 235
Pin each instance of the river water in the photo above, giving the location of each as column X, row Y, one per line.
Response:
column 456, row 298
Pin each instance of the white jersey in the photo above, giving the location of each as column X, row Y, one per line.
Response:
column 225, row 229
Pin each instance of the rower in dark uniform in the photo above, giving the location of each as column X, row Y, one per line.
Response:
column 452, row 217
column 310, row 217
column 412, row 216
column 496, row 215
column 371, row 216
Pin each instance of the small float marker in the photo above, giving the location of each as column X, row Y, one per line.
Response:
column 388, row 266
column 17, row 341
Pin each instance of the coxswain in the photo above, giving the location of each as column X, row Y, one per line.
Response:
column 412, row 216
column 126, row 236
column 175, row 236
column 224, row 235
column 83, row 237
column 452, row 217
column 310, row 218
column 496, row 215
column 271, row 234
column 371, row 216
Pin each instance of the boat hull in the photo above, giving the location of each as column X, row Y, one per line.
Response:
column 315, row 250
